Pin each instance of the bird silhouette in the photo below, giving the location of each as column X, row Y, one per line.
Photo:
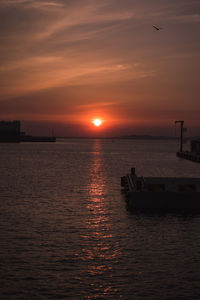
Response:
column 157, row 28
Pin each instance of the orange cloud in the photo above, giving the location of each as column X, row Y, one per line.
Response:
column 69, row 61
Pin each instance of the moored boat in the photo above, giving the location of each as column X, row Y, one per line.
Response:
column 161, row 193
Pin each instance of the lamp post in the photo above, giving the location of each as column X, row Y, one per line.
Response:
column 181, row 134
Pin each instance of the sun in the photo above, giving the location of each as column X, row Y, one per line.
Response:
column 97, row 122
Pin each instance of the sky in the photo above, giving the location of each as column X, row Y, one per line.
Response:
column 65, row 62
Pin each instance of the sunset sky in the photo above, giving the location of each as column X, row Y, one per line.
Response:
column 66, row 62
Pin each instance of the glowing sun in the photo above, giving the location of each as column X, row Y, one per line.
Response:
column 97, row 122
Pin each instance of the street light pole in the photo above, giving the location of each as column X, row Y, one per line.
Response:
column 181, row 134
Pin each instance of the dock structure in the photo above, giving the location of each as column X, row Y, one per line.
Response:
column 38, row 139
column 165, row 194
column 189, row 156
column 9, row 131
column 194, row 153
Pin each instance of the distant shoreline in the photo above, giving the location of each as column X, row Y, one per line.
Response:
column 135, row 137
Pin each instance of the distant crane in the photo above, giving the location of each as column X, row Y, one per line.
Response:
column 156, row 28
column 181, row 134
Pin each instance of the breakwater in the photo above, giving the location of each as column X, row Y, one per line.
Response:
column 189, row 156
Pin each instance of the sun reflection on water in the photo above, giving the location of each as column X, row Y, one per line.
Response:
column 100, row 247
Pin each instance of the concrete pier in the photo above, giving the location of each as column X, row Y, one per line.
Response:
column 189, row 155
column 166, row 194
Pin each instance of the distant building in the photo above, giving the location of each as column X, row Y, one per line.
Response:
column 195, row 146
column 9, row 131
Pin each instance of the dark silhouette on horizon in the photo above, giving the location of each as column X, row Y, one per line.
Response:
column 10, row 133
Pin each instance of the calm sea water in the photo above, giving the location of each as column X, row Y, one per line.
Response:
column 65, row 231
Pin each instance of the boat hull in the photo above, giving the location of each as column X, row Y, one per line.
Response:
column 163, row 201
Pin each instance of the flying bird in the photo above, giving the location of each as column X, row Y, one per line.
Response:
column 157, row 28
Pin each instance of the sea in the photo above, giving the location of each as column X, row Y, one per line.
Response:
column 66, row 232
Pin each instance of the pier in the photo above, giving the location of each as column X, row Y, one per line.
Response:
column 194, row 153
column 38, row 139
column 189, row 155
column 166, row 194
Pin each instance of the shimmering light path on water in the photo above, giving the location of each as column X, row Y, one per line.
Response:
column 66, row 233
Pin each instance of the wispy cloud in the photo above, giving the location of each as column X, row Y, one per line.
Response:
column 186, row 18
column 48, row 72
column 98, row 45
column 30, row 3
